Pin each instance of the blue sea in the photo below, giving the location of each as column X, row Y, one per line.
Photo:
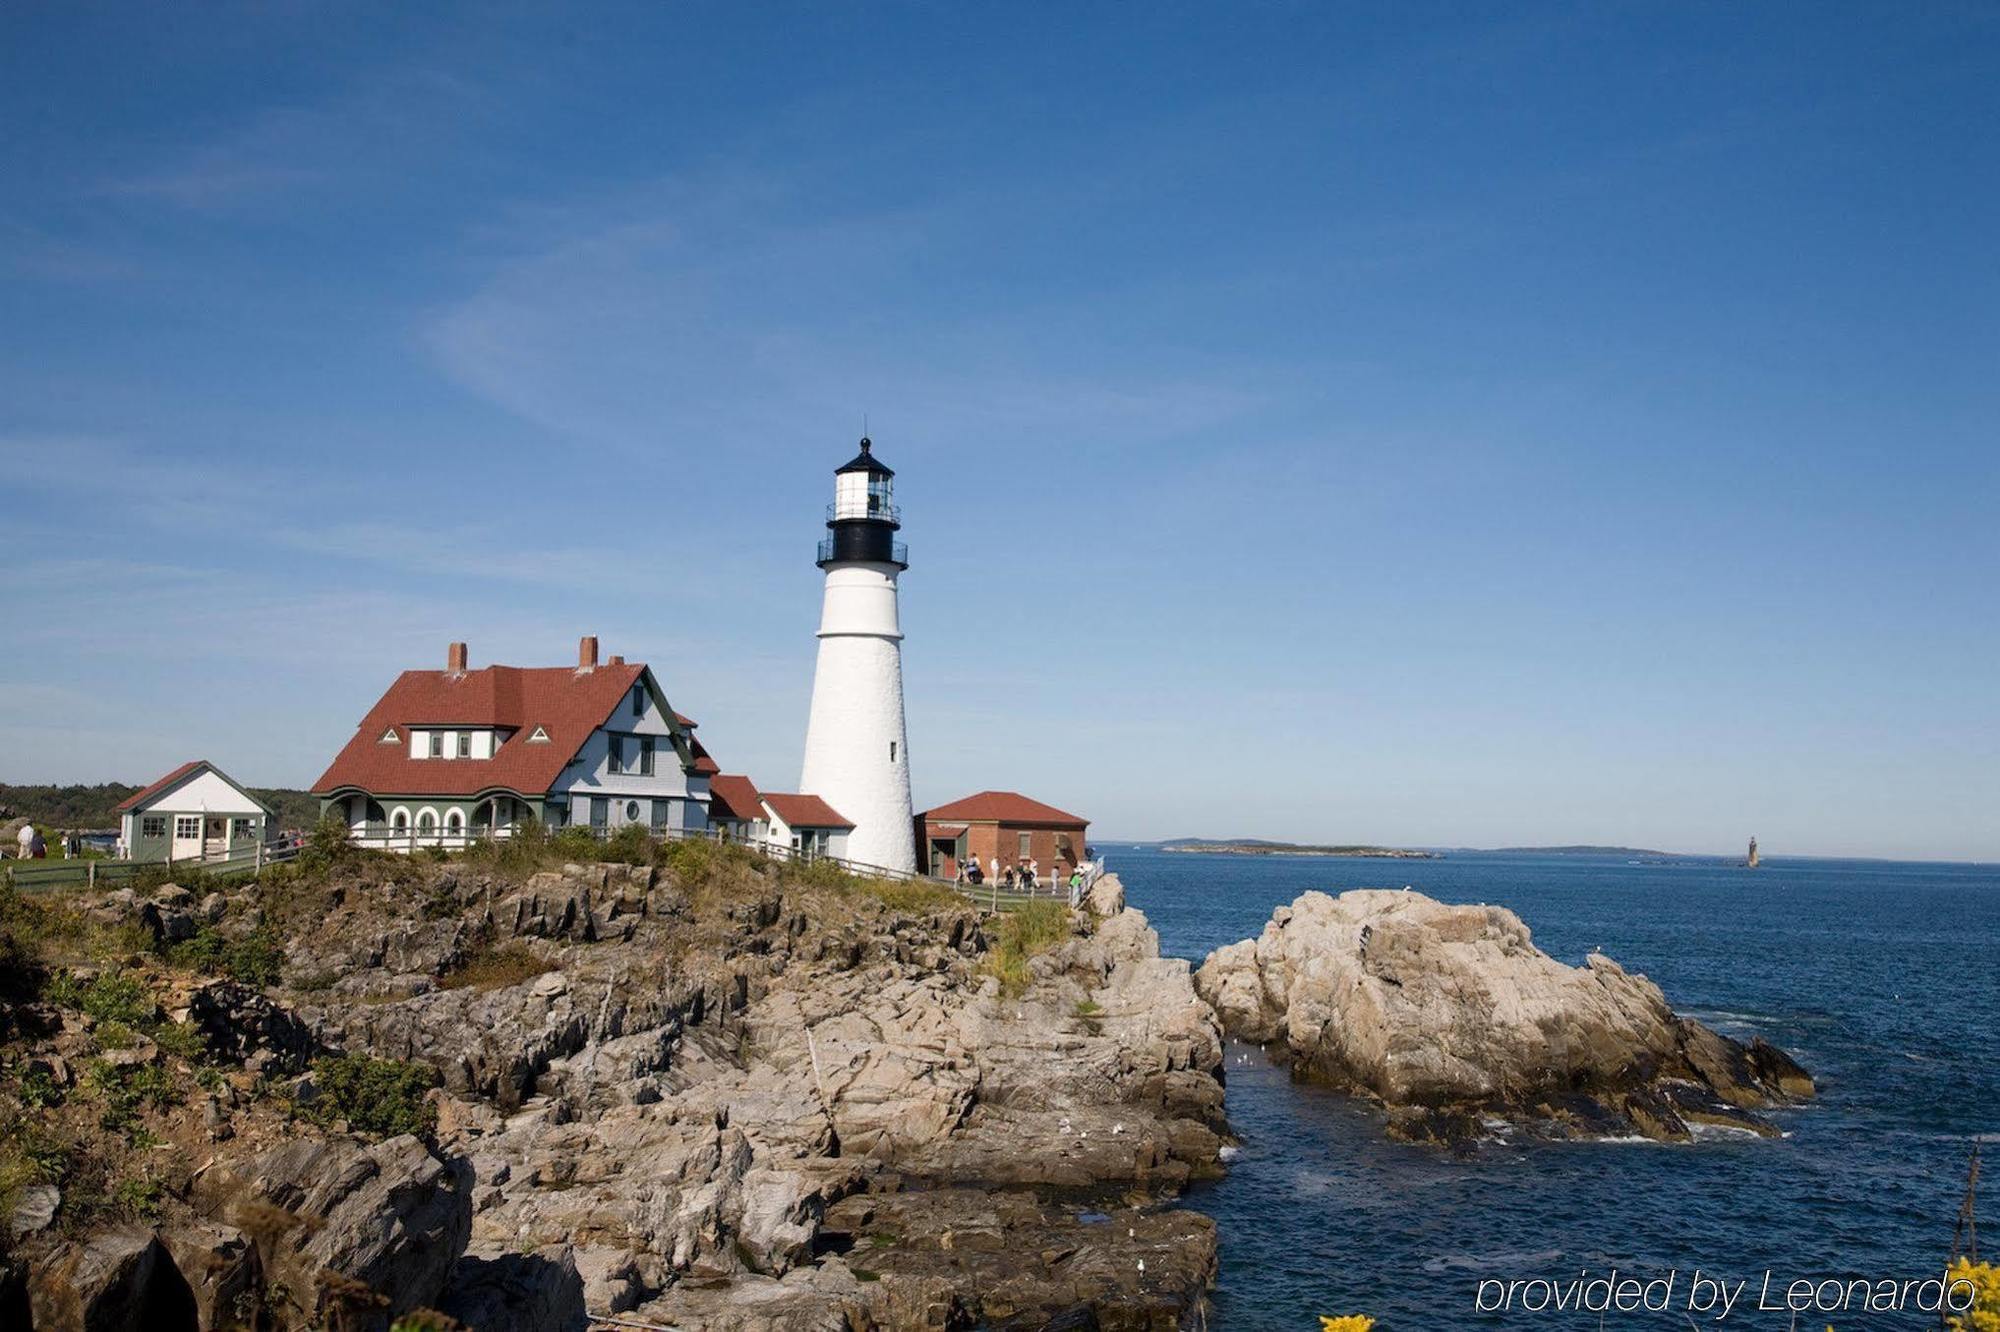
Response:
column 1882, row 978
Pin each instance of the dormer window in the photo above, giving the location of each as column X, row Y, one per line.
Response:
column 538, row 736
column 437, row 744
column 389, row 737
column 465, row 744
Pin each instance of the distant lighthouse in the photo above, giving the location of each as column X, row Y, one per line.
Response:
column 857, row 754
column 1752, row 861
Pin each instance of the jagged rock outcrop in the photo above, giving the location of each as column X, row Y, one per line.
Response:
column 1450, row 1014
column 709, row 1093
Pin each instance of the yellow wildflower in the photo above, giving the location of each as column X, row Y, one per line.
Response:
column 1984, row 1315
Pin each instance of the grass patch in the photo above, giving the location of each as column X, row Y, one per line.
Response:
column 1019, row 935
column 378, row 1098
column 915, row 896
column 496, row 968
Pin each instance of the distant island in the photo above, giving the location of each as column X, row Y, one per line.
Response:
column 1582, row 851
column 1253, row 846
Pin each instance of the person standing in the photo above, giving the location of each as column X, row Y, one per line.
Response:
column 1034, row 874
column 993, row 870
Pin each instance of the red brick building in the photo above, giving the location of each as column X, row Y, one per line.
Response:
column 1005, row 826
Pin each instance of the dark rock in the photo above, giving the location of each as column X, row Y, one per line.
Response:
column 220, row 1266
column 238, row 1023
column 495, row 1290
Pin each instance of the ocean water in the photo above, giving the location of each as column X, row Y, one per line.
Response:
column 1882, row 978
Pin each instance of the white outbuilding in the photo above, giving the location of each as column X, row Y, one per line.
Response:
column 195, row 812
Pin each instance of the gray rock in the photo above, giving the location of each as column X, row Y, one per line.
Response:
column 35, row 1208
column 392, row 1217
column 116, row 1280
column 221, row 1268
column 1452, row 1010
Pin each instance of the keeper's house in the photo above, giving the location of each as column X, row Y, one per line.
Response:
column 195, row 811
column 457, row 753
column 1003, row 826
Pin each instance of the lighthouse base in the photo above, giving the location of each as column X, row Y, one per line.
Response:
column 857, row 754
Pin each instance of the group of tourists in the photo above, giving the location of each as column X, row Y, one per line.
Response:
column 1023, row 877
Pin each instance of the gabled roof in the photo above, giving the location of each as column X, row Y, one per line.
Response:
column 804, row 811
column 733, row 796
column 566, row 702
column 1004, row 807
column 182, row 774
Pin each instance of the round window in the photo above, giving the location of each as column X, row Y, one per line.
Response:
column 632, row 809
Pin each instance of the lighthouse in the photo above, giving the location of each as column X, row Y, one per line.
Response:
column 857, row 754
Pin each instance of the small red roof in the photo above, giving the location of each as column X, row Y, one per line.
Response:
column 731, row 796
column 565, row 703
column 803, row 811
column 703, row 764
column 1004, row 807
column 133, row 802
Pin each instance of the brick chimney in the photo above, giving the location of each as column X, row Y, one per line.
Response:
column 454, row 659
column 586, row 653
column 617, row 660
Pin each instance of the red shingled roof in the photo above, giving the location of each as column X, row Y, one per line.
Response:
column 732, row 796
column 803, row 811
column 1004, row 807
column 566, row 703
column 134, row 801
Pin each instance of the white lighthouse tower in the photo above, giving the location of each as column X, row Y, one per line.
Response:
column 857, row 755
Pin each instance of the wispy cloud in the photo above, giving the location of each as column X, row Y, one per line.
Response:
column 282, row 153
column 726, row 309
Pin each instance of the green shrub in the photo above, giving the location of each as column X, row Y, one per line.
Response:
column 123, row 1089
column 630, row 845
column 255, row 959
column 576, row 844
column 137, row 1198
column 379, row 1098
column 109, row 996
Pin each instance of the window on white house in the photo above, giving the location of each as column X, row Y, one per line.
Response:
column 892, row 751
column 401, row 821
column 426, row 819
column 645, row 756
column 600, row 811
column 465, row 744
column 638, row 700
column 617, row 764
column 437, row 744
column 153, row 825
column 660, row 808
column 631, row 811
column 454, row 821
column 239, row 828
column 187, row 825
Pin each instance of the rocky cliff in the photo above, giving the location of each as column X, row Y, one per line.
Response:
column 1451, row 1016
column 698, row 1091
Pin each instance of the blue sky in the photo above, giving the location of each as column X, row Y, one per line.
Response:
column 1406, row 423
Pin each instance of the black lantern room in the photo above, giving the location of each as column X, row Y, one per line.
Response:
column 862, row 520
